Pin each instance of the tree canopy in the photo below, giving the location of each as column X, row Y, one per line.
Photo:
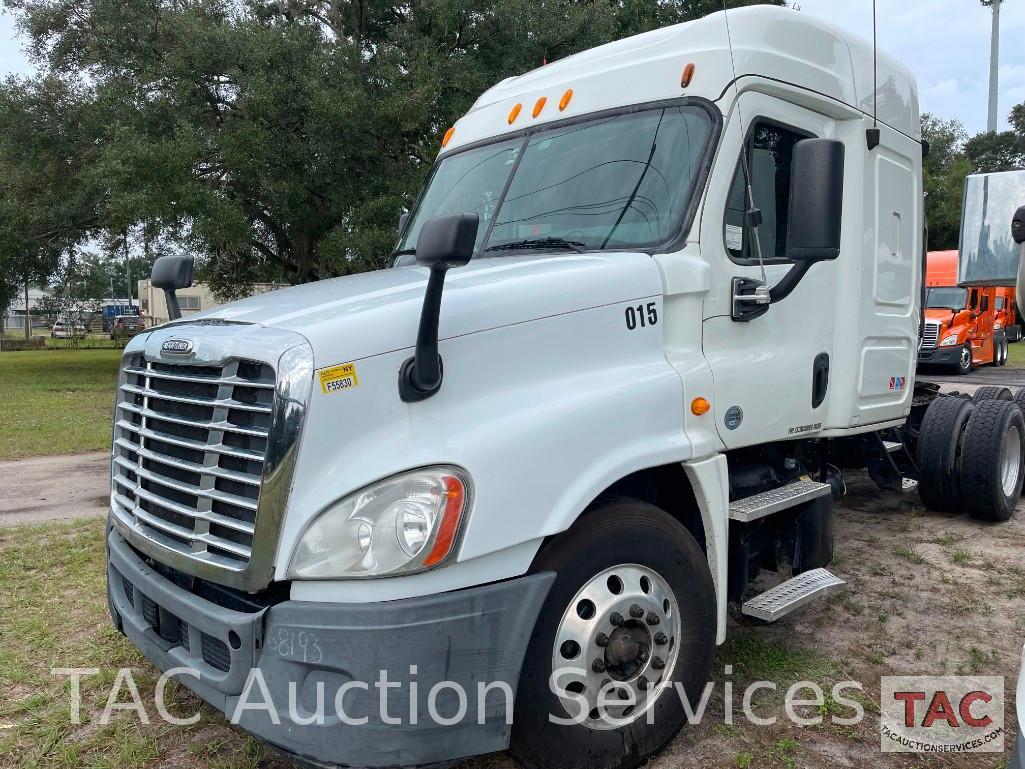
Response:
column 277, row 139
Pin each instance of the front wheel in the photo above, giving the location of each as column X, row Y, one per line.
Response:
column 627, row 628
column 964, row 361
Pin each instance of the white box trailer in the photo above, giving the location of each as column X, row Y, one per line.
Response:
column 651, row 302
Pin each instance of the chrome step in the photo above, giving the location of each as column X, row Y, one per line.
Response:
column 908, row 485
column 772, row 501
column 893, row 446
column 787, row 596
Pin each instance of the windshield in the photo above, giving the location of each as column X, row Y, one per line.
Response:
column 614, row 182
column 946, row 298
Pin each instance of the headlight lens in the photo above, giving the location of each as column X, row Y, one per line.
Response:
column 401, row 525
column 949, row 340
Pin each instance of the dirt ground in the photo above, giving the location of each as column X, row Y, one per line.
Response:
column 54, row 488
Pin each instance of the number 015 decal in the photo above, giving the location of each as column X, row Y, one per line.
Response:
column 642, row 315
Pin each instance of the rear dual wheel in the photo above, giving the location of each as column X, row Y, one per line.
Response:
column 971, row 454
column 630, row 617
column 992, row 458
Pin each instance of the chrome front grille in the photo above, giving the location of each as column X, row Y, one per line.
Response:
column 190, row 442
column 931, row 334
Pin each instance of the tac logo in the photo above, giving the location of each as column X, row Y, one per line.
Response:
column 178, row 346
column 942, row 714
column 897, row 383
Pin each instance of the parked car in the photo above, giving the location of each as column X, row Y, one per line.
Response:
column 66, row 330
column 127, row 326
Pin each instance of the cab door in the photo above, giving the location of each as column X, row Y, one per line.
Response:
column 982, row 304
column 772, row 373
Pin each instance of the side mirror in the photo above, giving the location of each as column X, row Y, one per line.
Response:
column 816, row 200
column 1018, row 225
column 444, row 242
column 447, row 241
column 171, row 273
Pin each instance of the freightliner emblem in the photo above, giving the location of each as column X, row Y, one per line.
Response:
column 177, row 346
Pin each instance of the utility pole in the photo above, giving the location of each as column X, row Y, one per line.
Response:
column 994, row 64
column 28, row 317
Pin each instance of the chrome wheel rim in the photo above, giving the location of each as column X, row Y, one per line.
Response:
column 966, row 358
column 1010, row 461
column 616, row 647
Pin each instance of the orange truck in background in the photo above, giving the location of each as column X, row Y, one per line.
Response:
column 1007, row 314
column 960, row 322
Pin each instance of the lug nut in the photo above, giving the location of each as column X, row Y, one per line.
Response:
column 616, row 619
column 598, row 666
column 658, row 663
column 653, row 618
column 661, row 638
column 602, row 640
column 643, row 683
column 636, row 611
column 623, row 694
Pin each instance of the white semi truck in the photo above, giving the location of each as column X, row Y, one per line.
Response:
column 651, row 301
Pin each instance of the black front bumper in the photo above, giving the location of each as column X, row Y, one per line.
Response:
column 941, row 356
column 471, row 638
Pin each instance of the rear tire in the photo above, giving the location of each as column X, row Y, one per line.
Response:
column 991, row 393
column 1000, row 354
column 1019, row 398
column 939, row 453
column 632, row 538
column 993, row 460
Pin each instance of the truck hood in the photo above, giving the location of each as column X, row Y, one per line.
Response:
column 941, row 315
column 372, row 313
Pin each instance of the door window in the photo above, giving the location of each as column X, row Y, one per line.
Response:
column 769, row 153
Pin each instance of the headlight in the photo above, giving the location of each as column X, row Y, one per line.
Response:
column 949, row 340
column 401, row 525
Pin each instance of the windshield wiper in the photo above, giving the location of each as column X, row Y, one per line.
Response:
column 539, row 243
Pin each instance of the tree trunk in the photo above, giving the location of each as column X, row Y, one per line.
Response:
column 305, row 259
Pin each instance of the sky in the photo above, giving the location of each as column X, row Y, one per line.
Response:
column 944, row 42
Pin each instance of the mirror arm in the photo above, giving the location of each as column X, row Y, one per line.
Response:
column 174, row 311
column 789, row 282
column 420, row 376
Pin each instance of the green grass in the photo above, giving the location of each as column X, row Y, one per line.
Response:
column 54, row 609
column 1016, row 354
column 56, row 401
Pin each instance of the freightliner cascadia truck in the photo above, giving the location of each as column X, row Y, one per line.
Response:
column 652, row 301
column 961, row 330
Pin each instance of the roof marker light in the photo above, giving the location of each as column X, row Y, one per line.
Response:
column 539, row 105
column 448, row 136
column 514, row 113
column 688, row 75
column 564, row 101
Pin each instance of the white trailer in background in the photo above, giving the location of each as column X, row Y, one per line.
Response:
column 651, row 301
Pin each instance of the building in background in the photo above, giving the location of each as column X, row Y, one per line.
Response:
column 197, row 298
column 14, row 316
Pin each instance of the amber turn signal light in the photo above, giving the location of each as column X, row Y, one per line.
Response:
column 700, row 406
column 688, row 75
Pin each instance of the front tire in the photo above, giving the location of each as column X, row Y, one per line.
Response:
column 633, row 587
column 964, row 362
